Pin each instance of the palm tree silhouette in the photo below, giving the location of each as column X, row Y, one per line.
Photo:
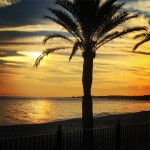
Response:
column 146, row 38
column 92, row 24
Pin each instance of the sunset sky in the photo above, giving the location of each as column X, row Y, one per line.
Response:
column 117, row 70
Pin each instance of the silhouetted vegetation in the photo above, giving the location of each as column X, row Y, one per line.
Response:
column 145, row 38
column 92, row 23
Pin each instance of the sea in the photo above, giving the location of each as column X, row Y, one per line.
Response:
column 31, row 110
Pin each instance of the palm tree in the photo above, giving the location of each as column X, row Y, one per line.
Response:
column 92, row 24
column 145, row 38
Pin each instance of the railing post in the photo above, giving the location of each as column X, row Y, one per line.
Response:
column 59, row 138
column 118, row 136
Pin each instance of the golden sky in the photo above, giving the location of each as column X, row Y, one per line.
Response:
column 117, row 70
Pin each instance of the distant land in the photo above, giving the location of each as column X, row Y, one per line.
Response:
column 140, row 97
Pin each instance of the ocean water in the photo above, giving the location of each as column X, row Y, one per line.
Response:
column 41, row 110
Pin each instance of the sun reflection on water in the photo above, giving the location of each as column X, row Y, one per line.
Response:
column 40, row 110
column 34, row 111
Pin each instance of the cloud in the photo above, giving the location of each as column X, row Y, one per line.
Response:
column 4, row 3
column 24, row 13
column 29, row 12
column 111, row 56
column 12, row 35
column 10, row 64
column 4, row 53
column 138, row 6
column 4, row 71
column 21, row 31
column 17, row 43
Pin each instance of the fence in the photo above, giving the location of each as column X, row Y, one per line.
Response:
column 130, row 137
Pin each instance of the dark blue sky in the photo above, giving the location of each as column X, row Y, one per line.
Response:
column 29, row 12
column 24, row 13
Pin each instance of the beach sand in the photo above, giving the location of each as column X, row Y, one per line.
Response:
column 72, row 125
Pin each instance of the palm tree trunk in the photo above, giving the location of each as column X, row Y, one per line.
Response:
column 87, row 104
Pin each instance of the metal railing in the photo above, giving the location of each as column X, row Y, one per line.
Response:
column 129, row 137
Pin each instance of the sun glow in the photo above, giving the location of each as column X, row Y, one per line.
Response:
column 30, row 54
column 35, row 54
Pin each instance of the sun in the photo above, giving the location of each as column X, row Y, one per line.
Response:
column 30, row 54
column 35, row 54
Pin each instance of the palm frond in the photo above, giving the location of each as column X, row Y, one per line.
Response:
column 74, row 11
column 105, row 38
column 147, row 39
column 59, row 22
column 140, row 35
column 64, row 17
column 116, row 21
column 56, row 36
column 90, row 22
column 107, row 10
column 103, row 16
column 67, row 20
column 66, row 4
column 107, row 4
column 74, row 49
column 45, row 53
column 129, row 30
column 110, row 37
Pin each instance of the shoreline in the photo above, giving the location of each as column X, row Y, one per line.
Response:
column 72, row 124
